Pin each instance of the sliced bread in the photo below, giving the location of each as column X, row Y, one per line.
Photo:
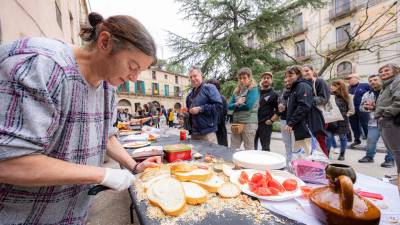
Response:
column 229, row 190
column 197, row 174
column 194, row 193
column 168, row 194
column 150, row 173
column 182, row 167
column 150, row 182
column 212, row 184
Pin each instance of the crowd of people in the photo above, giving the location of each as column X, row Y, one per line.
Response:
column 364, row 109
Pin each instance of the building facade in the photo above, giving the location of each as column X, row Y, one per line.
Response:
column 45, row 18
column 156, row 86
column 325, row 30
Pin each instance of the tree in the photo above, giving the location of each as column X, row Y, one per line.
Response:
column 359, row 38
column 224, row 26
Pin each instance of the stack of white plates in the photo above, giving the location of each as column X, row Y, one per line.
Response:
column 259, row 160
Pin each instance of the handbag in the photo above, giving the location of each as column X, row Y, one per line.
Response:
column 330, row 111
column 237, row 128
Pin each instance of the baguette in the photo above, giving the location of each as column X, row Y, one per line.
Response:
column 212, row 184
column 197, row 174
column 194, row 193
column 168, row 194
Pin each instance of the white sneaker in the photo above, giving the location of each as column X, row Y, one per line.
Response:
column 336, row 150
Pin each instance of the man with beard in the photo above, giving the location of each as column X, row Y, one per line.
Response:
column 268, row 108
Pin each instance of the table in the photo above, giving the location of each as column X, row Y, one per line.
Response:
column 229, row 216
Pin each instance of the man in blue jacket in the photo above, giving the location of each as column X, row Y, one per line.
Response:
column 359, row 119
column 205, row 104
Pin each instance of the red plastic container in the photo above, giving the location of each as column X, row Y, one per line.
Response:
column 177, row 152
column 182, row 135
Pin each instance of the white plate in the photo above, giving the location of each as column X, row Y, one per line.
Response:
column 148, row 149
column 259, row 160
column 278, row 175
column 136, row 144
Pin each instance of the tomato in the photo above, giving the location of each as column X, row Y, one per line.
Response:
column 256, row 177
column 263, row 191
column 242, row 181
column 262, row 183
column 244, row 175
column 290, row 184
column 268, row 175
column 274, row 183
column 274, row 191
column 253, row 187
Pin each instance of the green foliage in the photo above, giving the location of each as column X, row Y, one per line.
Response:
column 220, row 46
column 227, row 88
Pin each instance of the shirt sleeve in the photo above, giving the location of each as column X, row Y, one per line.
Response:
column 30, row 106
column 251, row 99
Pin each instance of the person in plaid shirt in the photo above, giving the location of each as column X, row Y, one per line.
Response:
column 57, row 107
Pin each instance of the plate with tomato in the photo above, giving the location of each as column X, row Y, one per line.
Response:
column 272, row 185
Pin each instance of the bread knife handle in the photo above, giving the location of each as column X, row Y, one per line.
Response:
column 96, row 189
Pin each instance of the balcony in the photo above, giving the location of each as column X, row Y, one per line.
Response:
column 342, row 11
column 292, row 32
column 149, row 94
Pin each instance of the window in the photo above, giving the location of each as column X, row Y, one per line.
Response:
column 124, row 87
column 176, row 79
column 166, row 76
column 139, row 87
column 298, row 22
column 344, row 68
column 342, row 6
column 155, row 89
column 153, row 74
column 341, row 34
column 177, row 91
column 166, row 90
column 300, row 50
column 58, row 14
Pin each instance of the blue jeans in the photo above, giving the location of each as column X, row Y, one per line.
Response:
column 373, row 137
column 343, row 142
column 287, row 140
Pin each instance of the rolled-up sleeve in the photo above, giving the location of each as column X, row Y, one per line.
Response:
column 30, row 99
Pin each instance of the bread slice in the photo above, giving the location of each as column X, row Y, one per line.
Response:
column 150, row 173
column 182, row 167
column 229, row 190
column 197, row 174
column 168, row 194
column 194, row 193
column 150, row 182
column 212, row 184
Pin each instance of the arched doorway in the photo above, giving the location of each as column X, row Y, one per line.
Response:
column 124, row 103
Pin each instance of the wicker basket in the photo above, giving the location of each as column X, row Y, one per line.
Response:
column 237, row 128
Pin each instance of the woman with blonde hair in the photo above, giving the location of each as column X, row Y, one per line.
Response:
column 244, row 103
column 341, row 128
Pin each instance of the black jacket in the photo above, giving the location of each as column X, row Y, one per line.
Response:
column 302, row 114
column 268, row 105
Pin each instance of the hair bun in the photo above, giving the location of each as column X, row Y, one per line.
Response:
column 94, row 19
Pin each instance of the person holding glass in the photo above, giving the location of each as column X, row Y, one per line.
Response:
column 244, row 103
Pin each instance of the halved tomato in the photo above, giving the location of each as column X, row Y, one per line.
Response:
column 306, row 191
column 290, row 184
column 253, row 187
column 263, row 191
column 242, row 180
column 274, row 191
column 244, row 175
column 256, row 177
column 274, row 183
column 268, row 175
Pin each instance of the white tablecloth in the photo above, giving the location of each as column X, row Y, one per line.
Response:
column 299, row 209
